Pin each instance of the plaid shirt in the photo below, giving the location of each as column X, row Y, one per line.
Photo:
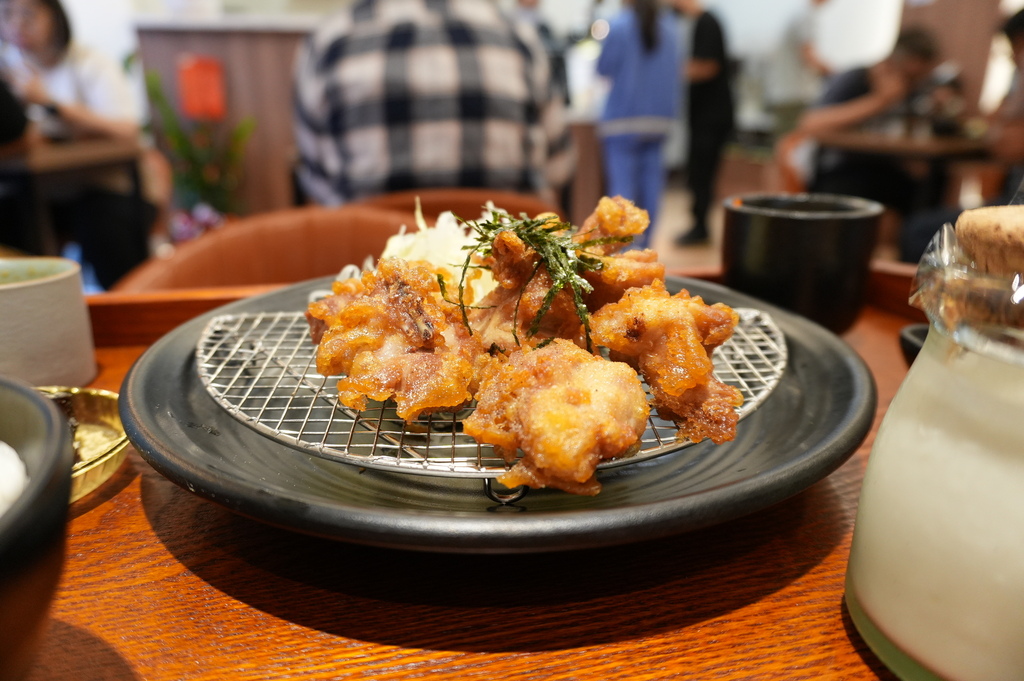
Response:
column 400, row 94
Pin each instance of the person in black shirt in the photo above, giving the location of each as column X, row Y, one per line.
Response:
column 879, row 97
column 12, row 116
column 13, row 127
column 710, row 113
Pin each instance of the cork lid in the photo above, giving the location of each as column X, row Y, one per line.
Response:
column 993, row 238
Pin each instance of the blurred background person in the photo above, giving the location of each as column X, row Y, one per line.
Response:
column 641, row 59
column 13, row 128
column 1005, row 140
column 711, row 113
column 400, row 94
column 796, row 71
column 13, row 122
column 878, row 96
column 71, row 91
column 529, row 12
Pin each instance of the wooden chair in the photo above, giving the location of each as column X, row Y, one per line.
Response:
column 465, row 202
column 279, row 247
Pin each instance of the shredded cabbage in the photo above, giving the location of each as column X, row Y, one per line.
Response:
column 442, row 245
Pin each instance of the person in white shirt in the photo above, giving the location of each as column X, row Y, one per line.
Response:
column 71, row 91
column 796, row 71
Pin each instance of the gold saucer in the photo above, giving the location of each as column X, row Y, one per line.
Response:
column 100, row 440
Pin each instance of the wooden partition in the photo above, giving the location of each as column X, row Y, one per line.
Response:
column 258, row 82
column 964, row 29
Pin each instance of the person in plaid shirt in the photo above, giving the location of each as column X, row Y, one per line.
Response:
column 401, row 94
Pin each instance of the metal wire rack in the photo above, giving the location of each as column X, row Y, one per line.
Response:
column 261, row 368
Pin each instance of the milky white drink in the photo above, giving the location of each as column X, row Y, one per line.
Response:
column 12, row 476
column 936, row 575
column 937, row 562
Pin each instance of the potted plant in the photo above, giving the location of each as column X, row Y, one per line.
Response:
column 206, row 160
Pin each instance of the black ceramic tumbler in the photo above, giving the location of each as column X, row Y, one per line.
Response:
column 809, row 253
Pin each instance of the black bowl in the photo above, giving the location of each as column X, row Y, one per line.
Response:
column 911, row 339
column 809, row 253
column 32, row 529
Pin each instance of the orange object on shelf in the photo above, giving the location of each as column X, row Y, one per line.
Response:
column 201, row 87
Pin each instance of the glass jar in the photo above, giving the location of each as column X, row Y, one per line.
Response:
column 935, row 582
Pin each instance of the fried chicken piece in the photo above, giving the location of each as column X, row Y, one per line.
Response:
column 509, row 311
column 669, row 339
column 613, row 217
column 397, row 337
column 321, row 314
column 565, row 408
column 619, row 273
column 505, row 316
column 617, row 217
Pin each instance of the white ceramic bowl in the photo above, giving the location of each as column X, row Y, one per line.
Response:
column 45, row 333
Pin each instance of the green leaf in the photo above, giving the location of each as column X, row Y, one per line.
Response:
column 564, row 259
column 207, row 160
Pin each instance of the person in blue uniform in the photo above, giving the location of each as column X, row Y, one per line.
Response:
column 641, row 58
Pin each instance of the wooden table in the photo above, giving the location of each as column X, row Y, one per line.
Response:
column 941, row 165
column 931, row 148
column 45, row 163
column 46, row 157
column 163, row 585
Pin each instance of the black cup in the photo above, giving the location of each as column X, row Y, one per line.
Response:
column 809, row 253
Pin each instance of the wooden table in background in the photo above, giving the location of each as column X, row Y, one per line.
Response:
column 947, row 162
column 43, row 163
column 931, row 148
column 163, row 585
column 51, row 158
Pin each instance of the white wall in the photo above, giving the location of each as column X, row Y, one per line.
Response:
column 853, row 32
column 856, row 32
column 103, row 24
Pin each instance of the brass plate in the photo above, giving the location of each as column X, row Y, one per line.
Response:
column 100, row 441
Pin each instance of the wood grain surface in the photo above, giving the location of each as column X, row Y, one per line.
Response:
column 162, row 585
column 120, row 319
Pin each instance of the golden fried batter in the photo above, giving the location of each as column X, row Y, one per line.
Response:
column 397, row 338
column 613, row 217
column 323, row 313
column 565, row 408
column 539, row 392
column 516, row 302
column 669, row 339
column 619, row 273
column 510, row 311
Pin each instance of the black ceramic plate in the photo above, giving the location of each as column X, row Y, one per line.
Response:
column 812, row 422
